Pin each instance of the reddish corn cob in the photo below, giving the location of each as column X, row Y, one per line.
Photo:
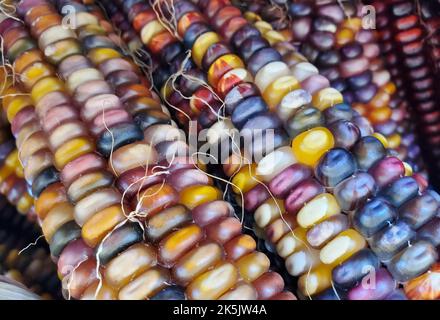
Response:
column 406, row 44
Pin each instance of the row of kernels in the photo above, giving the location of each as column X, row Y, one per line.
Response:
column 401, row 32
column 31, row 142
column 12, row 183
column 52, row 207
column 388, row 48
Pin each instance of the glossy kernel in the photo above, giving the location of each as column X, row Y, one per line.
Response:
column 201, row 45
column 194, row 196
column 212, row 284
column 320, row 208
column 129, row 264
column 309, row 146
column 253, row 265
column 96, row 228
column 316, row 280
column 72, row 150
column 45, row 86
column 276, row 91
column 197, row 261
column 177, row 243
column 145, row 285
column 245, row 179
column 221, row 66
column 342, row 247
column 327, row 98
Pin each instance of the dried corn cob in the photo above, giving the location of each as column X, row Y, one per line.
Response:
column 406, row 39
column 271, row 37
column 164, row 195
column 144, row 28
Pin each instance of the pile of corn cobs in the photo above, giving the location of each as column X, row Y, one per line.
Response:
column 221, row 149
